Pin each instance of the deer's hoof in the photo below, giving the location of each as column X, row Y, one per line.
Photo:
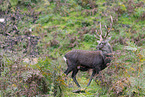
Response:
column 79, row 91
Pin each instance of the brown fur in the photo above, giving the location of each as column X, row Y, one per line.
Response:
column 84, row 60
column 83, row 57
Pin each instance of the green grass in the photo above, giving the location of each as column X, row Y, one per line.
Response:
column 91, row 91
column 72, row 25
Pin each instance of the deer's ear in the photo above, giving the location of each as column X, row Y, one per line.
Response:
column 108, row 39
column 98, row 42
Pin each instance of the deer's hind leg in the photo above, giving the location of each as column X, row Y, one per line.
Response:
column 70, row 67
column 75, row 71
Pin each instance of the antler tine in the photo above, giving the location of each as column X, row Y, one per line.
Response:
column 111, row 23
column 108, row 31
column 101, row 29
column 98, row 36
column 101, row 38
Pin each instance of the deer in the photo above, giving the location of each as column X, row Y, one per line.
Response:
column 85, row 60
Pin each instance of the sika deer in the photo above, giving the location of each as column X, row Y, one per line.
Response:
column 84, row 60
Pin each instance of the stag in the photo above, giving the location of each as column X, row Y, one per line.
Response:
column 84, row 60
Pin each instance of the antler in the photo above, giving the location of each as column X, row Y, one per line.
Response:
column 108, row 31
column 101, row 29
column 100, row 36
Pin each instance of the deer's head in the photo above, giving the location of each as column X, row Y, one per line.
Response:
column 103, row 43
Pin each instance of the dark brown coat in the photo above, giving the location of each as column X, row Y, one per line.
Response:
column 84, row 60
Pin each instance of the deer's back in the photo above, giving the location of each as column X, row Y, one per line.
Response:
column 84, row 57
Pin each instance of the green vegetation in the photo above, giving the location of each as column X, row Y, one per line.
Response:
column 31, row 62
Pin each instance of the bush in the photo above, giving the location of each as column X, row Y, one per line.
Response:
column 22, row 77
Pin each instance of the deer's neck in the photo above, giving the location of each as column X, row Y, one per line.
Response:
column 107, row 53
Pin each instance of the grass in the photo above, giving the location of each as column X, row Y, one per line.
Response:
column 91, row 91
column 74, row 26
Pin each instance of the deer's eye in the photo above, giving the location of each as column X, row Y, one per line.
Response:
column 102, row 43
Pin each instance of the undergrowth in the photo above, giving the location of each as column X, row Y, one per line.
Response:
column 36, row 35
